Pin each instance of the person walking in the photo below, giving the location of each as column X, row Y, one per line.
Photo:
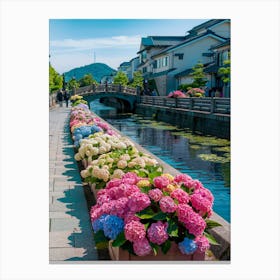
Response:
column 59, row 97
column 66, row 97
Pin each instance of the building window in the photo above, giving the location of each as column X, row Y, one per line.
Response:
column 144, row 69
column 143, row 56
column 165, row 61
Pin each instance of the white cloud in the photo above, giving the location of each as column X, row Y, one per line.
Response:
column 70, row 45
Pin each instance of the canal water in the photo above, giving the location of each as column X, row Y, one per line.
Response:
column 202, row 157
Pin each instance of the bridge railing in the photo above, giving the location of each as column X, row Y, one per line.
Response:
column 214, row 105
column 104, row 88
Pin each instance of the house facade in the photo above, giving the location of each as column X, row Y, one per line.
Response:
column 171, row 66
column 150, row 46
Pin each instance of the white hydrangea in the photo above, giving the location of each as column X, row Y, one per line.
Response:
column 77, row 157
column 118, row 173
column 125, row 157
column 122, row 164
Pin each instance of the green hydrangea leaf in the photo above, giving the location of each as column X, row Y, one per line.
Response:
column 120, row 240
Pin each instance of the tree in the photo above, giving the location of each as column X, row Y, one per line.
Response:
column 55, row 80
column 73, row 84
column 199, row 76
column 137, row 79
column 121, row 78
column 87, row 80
column 225, row 71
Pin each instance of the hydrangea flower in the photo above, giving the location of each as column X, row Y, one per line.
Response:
column 138, row 201
column 134, row 231
column 202, row 243
column 187, row 246
column 180, row 195
column 200, row 203
column 142, row 247
column 98, row 224
column 155, row 194
column 112, row 226
column 161, row 182
column 157, row 232
column 167, row 205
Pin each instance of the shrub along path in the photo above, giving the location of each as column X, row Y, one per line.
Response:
column 70, row 231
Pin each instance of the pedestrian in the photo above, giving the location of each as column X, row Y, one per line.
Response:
column 59, row 97
column 66, row 97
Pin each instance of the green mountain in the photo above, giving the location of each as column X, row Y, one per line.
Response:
column 97, row 70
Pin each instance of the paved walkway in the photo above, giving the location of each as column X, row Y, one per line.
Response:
column 70, row 231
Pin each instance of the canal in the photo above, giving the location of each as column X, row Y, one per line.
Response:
column 202, row 157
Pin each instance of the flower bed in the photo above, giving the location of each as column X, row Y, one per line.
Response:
column 141, row 212
column 176, row 94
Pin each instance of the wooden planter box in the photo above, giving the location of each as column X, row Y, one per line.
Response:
column 174, row 254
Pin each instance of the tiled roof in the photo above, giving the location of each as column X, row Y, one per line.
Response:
column 206, row 24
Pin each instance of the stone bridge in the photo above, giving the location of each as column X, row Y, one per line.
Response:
column 122, row 97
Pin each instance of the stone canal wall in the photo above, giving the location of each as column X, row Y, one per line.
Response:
column 212, row 124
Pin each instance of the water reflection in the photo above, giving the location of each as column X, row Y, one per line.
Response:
column 206, row 158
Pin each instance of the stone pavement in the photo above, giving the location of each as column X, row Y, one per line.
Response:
column 70, row 231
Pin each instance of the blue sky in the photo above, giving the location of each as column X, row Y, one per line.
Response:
column 73, row 42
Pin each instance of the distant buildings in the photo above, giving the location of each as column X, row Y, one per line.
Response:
column 166, row 61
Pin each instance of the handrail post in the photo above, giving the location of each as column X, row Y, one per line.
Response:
column 212, row 110
column 191, row 103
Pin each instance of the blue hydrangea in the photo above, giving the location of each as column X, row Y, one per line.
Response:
column 95, row 129
column 112, row 226
column 77, row 131
column 187, row 246
column 98, row 224
column 78, row 136
column 76, row 143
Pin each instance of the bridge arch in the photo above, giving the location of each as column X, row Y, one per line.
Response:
column 126, row 101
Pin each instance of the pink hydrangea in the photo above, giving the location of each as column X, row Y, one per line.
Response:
column 142, row 247
column 119, row 207
column 106, row 207
column 138, row 201
column 116, row 192
column 161, row 182
column 167, row 205
column 195, row 184
column 201, row 204
column 155, row 194
column 183, row 212
column 195, row 224
column 101, row 192
column 134, row 231
column 157, row 232
column 205, row 193
column 182, row 178
column 130, row 189
column 101, row 199
column 180, row 195
column 130, row 178
column 95, row 212
column 113, row 183
column 202, row 243
column 130, row 216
